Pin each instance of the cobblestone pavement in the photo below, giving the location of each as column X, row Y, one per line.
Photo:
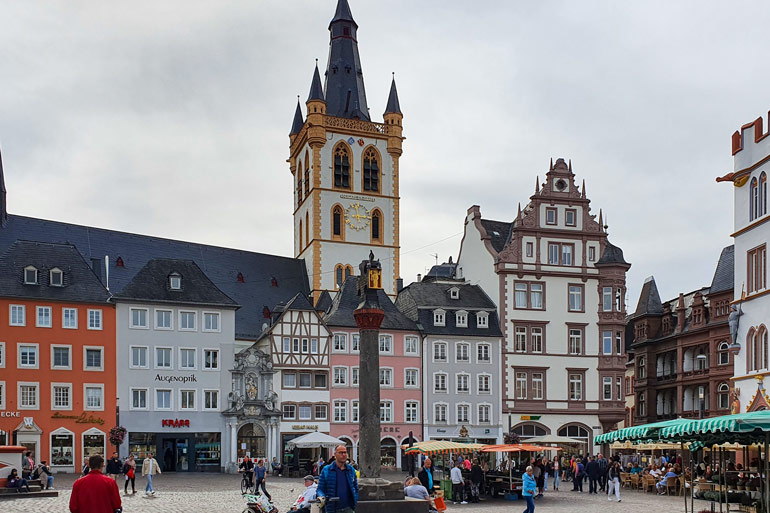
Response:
column 220, row 493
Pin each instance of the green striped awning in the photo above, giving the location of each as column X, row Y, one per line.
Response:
column 643, row 433
column 740, row 423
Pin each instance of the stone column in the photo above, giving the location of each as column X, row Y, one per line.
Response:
column 234, row 442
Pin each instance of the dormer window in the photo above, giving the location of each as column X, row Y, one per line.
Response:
column 454, row 293
column 482, row 320
column 30, row 275
column 461, row 319
column 439, row 318
column 56, row 278
column 175, row 281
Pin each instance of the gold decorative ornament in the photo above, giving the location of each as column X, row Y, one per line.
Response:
column 740, row 182
column 357, row 216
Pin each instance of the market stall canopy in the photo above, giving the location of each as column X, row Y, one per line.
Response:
column 553, row 439
column 518, row 448
column 740, row 423
column 312, row 440
column 643, row 433
column 433, row 447
column 661, row 446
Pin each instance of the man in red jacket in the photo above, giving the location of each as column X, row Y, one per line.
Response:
column 95, row 492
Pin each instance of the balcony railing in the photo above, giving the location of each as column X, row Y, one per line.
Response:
column 667, row 377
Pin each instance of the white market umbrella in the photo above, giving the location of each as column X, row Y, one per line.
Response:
column 312, row 440
column 553, row 439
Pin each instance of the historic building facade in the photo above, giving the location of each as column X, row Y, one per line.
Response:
column 560, row 288
column 683, row 366
column 751, row 154
column 461, row 372
column 57, row 355
column 400, row 375
column 345, row 169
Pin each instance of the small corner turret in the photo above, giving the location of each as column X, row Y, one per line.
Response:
column 393, row 118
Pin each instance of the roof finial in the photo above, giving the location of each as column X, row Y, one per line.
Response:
column 550, row 167
column 537, row 185
column 570, row 165
column 519, row 214
column 583, row 194
column 601, row 223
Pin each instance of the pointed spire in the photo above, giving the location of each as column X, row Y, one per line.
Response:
column 393, row 106
column 583, row 193
column 550, row 167
column 518, row 216
column 298, row 122
column 537, row 185
column 3, row 207
column 344, row 88
column 343, row 13
column 601, row 222
column 316, row 89
column 570, row 165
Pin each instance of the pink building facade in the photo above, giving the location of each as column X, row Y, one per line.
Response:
column 400, row 375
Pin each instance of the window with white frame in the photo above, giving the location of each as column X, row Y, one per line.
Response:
column 138, row 318
column 340, row 343
column 289, row 411
column 412, row 378
column 439, row 317
column 17, row 317
column 607, row 299
column 69, row 318
column 313, row 346
column 354, row 376
column 2, row 355
column 440, row 383
column 340, row 411
column 353, row 411
column 575, row 387
column 536, row 339
column 44, row 317
column 187, row 399
column 723, row 396
column 29, row 395
column 320, row 412
column 94, row 319
column 139, row 357
column 295, row 345
column 305, row 412
column 175, row 281
column 2, row 396
column 187, row 358
column 30, row 275
column 411, row 346
column 93, row 358
column 575, row 341
column 461, row 319
column 724, row 355
column 454, row 293
column 186, row 320
column 61, row 395
column 439, row 352
column 340, row 376
column 138, row 398
column 305, row 380
column 607, row 388
column 56, row 277
column 521, row 385
column 28, row 356
column 575, row 298
column 211, row 359
column 386, row 377
column 482, row 320
column 463, row 413
column 439, row 413
column 386, row 344
column 355, row 340
column 289, row 380
column 210, row 321
column 163, row 358
column 463, row 383
column 163, row 399
column 483, row 353
column 164, row 319
column 94, row 396
column 520, row 339
column 386, row 411
column 287, row 345
column 411, row 411
column 537, row 386
column 462, row 353
column 484, row 411
column 606, row 342
column 211, row 399
column 484, row 384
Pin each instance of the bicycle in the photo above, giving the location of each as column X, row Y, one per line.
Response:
column 247, row 487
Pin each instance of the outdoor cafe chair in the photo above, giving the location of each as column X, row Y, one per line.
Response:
column 625, row 479
column 671, row 482
column 635, row 481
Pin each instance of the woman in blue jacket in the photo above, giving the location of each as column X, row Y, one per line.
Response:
column 528, row 490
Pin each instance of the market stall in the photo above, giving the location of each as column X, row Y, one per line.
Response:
column 496, row 481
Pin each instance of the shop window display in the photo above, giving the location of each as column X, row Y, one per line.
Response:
column 140, row 444
column 93, row 444
column 62, row 450
column 208, row 451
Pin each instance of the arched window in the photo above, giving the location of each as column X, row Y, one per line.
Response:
column 762, row 347
column 348, row 271
column 338, row 276
column 299, row 183
column 371, row 175
column 307, row 227
column 307, row 176
column 724, row 356
column 529, row 430
column 338, row 220
column 751, row 354
column 301, row 234
column 762, row 194
column 376, row 226
column 342, row 167
column 579, row 432
column 753, row 199
column 723, row 396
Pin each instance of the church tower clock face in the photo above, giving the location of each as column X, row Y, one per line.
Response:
column 357, row 216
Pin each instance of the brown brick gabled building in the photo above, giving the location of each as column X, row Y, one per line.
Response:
column 680, row 350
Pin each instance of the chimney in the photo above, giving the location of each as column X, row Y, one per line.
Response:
column 680, row 313
column 399, row 285
column 419, row 277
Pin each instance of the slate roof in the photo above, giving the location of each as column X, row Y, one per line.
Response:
column 221, row 265
column 649, row 299
column 298, row 122
column 445, row 270
column 80, row 284
column 498, row 231
column 343, row 12
column 724, row 276
column 316, row 89
column 299, row 302
column 611, row 255
column 344, row 91
column 324, row 301
column 347, row 301
column 419, row 299
column 393, row 105
column 3, row 206
column 151, row 284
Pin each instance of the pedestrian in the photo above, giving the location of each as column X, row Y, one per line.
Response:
column 339, row 480
column 528, row 490
column 129, row 471
column 592, row 469
column 426, row 475
column 248, row 468
column 114, row 466
column 579, row 476
column 603, row 469
column 43, row 472
column 556, row 472
column 85, row 466
column 95, row 492
column 260, row 473
column 150, row 467
column 28, row 465
column 548, row 472
column 614, row 481
column 477, row 476
column 16, row 481
column 456, row 475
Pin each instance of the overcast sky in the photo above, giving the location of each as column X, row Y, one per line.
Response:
column 171, row 118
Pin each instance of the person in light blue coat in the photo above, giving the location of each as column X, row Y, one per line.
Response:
column 529, row 490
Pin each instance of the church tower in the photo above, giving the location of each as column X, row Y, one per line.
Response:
column 345, row 169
